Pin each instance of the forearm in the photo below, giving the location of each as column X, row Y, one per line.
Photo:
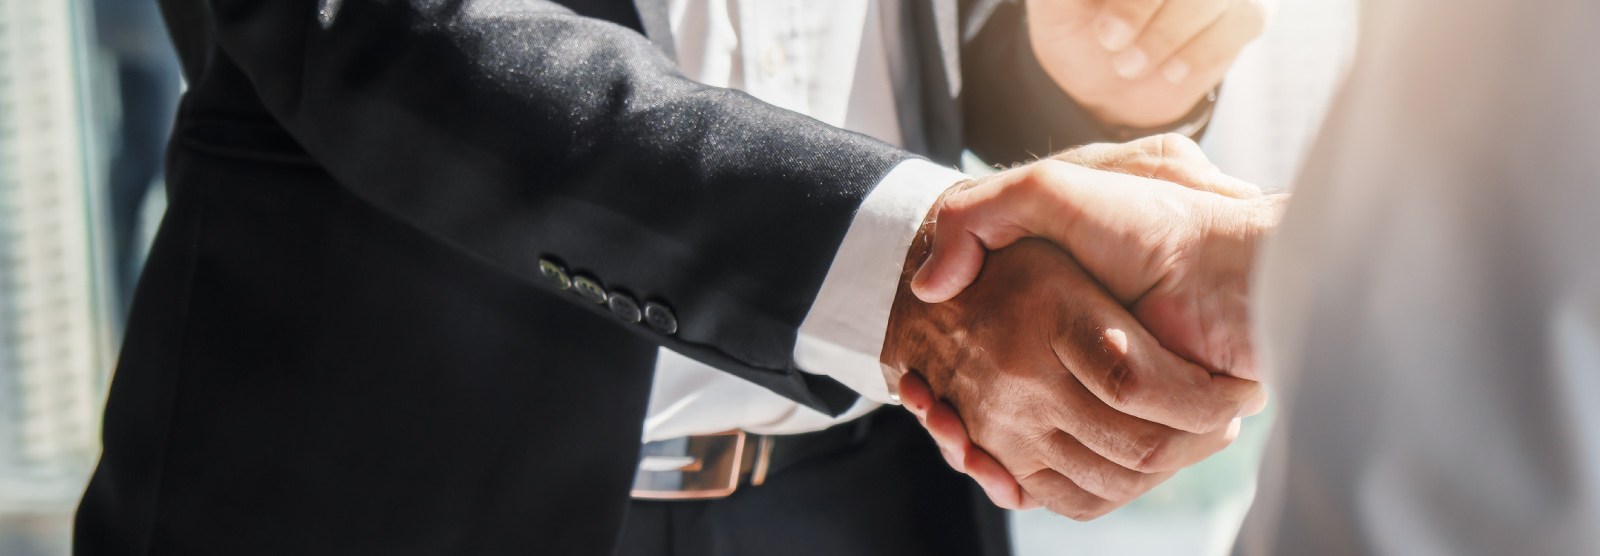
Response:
column 532, row 133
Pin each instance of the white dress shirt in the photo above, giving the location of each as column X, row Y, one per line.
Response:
column 1432, row 300
column 826, row 59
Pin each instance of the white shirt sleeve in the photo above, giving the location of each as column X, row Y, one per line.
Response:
column 842, row 336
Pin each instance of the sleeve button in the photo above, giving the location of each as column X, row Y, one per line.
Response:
column 554, row 274
column 589, row 289
column 660, row 318
column 624, row 307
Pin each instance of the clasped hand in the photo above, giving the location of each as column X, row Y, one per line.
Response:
column 1074, row 331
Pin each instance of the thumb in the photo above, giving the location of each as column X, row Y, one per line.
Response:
column 989, row 213
column 953, row 262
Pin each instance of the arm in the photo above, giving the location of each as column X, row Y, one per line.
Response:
column 521, row 132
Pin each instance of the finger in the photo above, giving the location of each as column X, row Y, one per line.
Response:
column 1256, row 405
column 1128, row 441
column 1178, row 23
column 970, row 221
column 915, row 395
column 1062, row 16
column 996, row 482
column 954, row 261
column 950, row 434
column 1163, row 152
column 1028, row 501
column 1170, row 157
column 947, row 430
column 1142, row 379
column 1178, row 159
column 1062, row 496
column 1209, row 53
column 1221, row 184
column 1095, row 474
column 1133, row 374
column 1119, row 22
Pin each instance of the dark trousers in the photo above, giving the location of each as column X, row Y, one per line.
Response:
column 891, row 494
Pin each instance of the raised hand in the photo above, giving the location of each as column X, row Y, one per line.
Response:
column 1141, row 63
column 1078, row 406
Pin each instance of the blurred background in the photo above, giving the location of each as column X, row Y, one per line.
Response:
column 87, row 90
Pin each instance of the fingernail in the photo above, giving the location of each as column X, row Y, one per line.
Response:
column 1175, row 71
column 1130, row 63
column 1113, row 34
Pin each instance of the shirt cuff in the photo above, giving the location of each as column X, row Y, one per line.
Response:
column 842, row 335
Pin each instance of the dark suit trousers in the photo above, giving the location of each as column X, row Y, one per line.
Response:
column 892, row 494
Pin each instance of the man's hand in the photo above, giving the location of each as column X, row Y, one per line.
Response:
column 1141, row 63
column 1055, row 380
column 1178, row 255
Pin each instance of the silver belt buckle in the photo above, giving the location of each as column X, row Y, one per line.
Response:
column 700, row 467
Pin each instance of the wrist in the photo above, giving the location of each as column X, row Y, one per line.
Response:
column 907, row 340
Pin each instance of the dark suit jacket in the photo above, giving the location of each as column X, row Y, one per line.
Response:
column 342, row 343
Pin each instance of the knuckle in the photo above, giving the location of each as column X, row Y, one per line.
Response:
column 1181, row 156
column 1047, row 171
column 1106, row 355
column 1209, row 423
column 1149, row 146
column 1073, row 512
column 1102, row 507
column 1177, row 145
column 1087, row 511
column 1223, row 415
column 1122, row 383
column 957, row 206
column 1152, row 453
column 1213, row 407
column 1150, row 143
column 1124, row 485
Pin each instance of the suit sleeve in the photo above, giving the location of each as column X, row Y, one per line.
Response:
column 519, row 131
column 1012, row 110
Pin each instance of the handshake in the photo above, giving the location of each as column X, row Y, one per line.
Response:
column 1074, row 331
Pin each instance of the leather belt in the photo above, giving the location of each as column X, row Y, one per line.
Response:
column 711, row 466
